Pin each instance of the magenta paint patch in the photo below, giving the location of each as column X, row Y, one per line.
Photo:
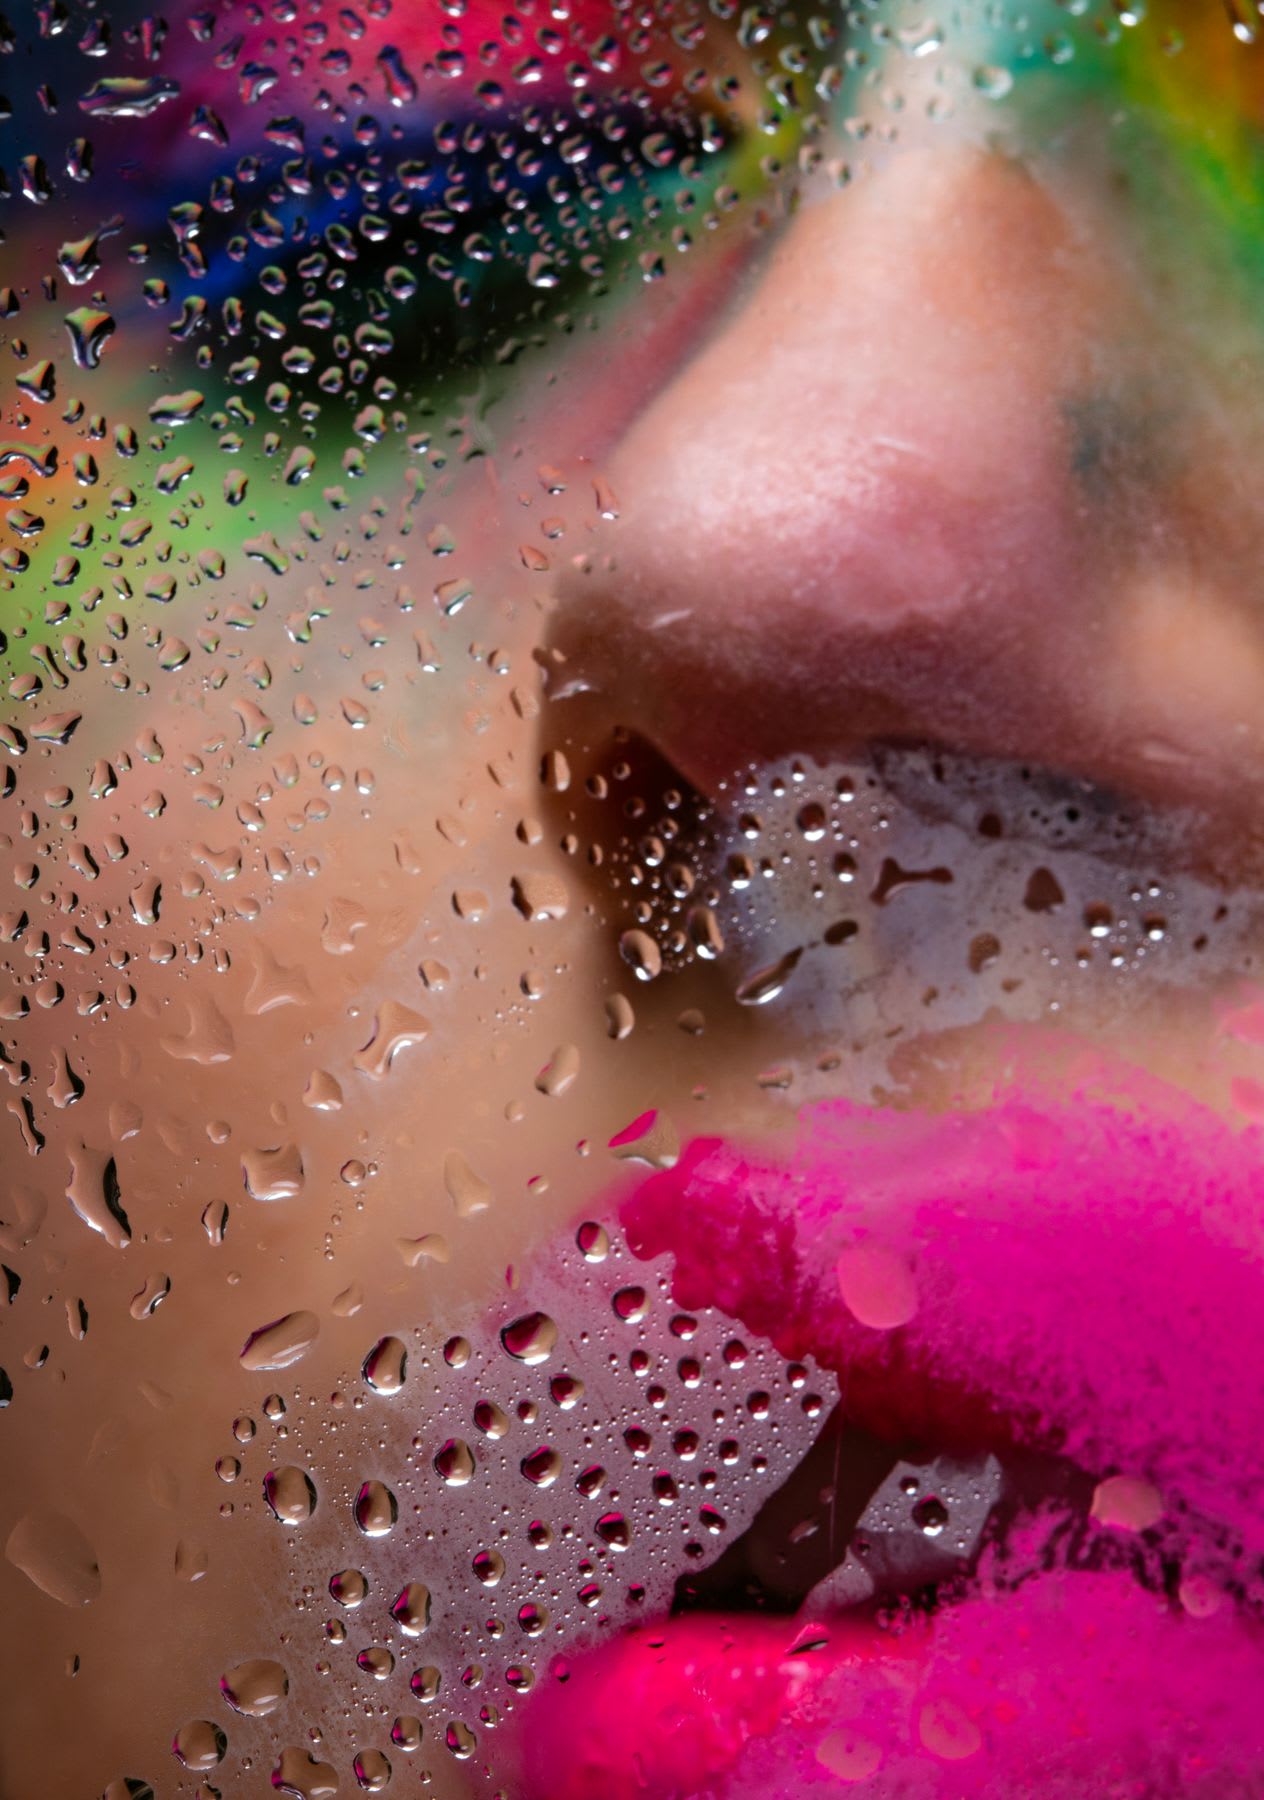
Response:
column 1072, row 1272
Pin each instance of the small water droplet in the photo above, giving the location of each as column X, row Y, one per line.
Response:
column 930, row 1515
column 560, row 1073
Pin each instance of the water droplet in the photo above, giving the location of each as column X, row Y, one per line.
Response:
column 454, row 1462
column 93, row 1191
column 273, row 1174
column 620, row 1018
column 630, row 1304
column 930, row 1515
column 54, row 1553
column 560, row 1073
column 146, row 1302
column 177, row 409
column 395, row 1029
column 128, row 96
column 283, row 1342
column 704, row 933
column 299, row 1773
column 376, row 1509
column 425, row 1683
column 255, row 1688
column 410, row 1608
column 540, row 895
column 488, row 1567
column 641, row 953
column 993, row 80
column 386, row 1366
column 290, row 1493
column 542, row 1467
column 766, row 983
column 372, row 1770
column 491, row 1420
column 593, row 1241
column 348, row 1587
column 406, row 1733
column 613, row 1530
column 322, row 1093
column 468, row 1192
column 530, row 1339
column 200, row 1744
column 90, row 327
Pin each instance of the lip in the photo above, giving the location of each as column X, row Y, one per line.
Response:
column 1076, row 1272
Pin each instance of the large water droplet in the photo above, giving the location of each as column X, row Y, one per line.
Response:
column 376, row 1509
column 641, row 953
column 255, row 1688
column 291, row 1494
column 283, row 1342
column 410, row 1608
column 542, row 1467
column 454, row 1461
column 348, row 1587
column 200, row 1744
column 128, row 96
column 386, row 1366
column 531, row 1338
column 55, row 1554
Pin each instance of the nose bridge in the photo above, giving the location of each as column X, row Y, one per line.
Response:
column 856, row 511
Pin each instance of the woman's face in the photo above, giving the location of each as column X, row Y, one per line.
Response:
column 631, row 993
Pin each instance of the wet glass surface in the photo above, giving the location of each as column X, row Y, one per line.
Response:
column 630, row 900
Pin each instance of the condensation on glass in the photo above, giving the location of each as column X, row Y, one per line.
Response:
column 360, row 953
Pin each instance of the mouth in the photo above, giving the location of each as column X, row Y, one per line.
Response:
column 1024, row 1554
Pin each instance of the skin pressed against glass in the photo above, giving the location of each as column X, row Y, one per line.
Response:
column 630, row 911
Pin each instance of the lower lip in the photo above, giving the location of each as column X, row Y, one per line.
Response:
column 1072, row 1274
column 1075, row 1684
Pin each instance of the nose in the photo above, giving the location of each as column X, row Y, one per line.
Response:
column 941, row 477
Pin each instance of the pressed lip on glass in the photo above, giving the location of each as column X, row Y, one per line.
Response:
column 1041, row 1325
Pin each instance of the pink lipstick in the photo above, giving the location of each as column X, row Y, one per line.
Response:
column 1069, row 1286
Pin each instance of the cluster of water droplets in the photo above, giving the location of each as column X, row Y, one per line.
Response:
column 481, row 1506
column 901, row 884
